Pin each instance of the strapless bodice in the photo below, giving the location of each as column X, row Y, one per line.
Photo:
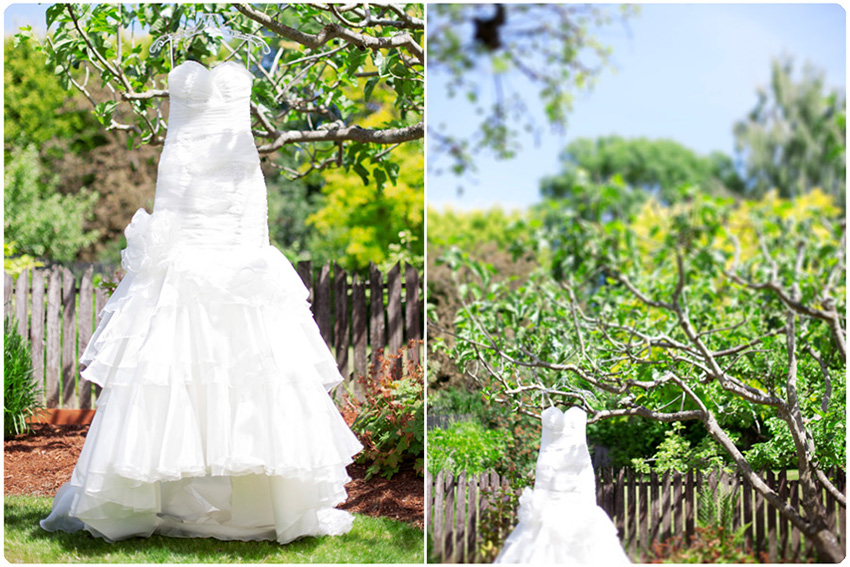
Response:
column 209, row 170
column 563, row 465
column 200, row 97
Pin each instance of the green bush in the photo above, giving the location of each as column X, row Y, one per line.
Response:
column 519, row 433
column 675, row 453
column 40, row 220
column 20, row 393
column 466, row 446
column 390, row 419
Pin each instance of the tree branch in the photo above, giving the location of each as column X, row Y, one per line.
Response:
column 332, row 31
column 344, row 134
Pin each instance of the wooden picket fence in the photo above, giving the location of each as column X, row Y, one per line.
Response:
column 356, row 317
column 644, row 508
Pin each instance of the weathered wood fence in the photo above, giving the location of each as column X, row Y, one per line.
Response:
column 644, row 508
column 355, row 316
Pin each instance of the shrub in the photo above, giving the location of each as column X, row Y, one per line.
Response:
column 42, row 221
column 708, row 544
column 466, row 446
column 390, row 419
column 515, row 436
column 20, row 393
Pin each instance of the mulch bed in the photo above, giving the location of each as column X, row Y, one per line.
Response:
column 40, row 463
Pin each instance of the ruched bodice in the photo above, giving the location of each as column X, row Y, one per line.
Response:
column 563, row 465
column 209, row 172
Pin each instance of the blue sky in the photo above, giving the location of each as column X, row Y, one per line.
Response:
column 685, row 72
column 17, row 15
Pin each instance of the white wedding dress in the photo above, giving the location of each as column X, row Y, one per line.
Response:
column 559, row 521
column 214, row 419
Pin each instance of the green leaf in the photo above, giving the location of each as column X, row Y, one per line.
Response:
column 370, row 86
column 362, row 172
column 392, row 169
column 104, row 111
column 356, row 58
column 53, row 12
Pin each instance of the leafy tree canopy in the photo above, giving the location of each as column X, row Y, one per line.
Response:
column 37, row 109
column 794, row 138
column 661, row 167
column 299, row 101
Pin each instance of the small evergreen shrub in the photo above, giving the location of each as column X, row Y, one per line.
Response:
column 20, row 393
column 390, row 419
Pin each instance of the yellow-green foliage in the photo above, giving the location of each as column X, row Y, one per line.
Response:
column 14, row 263
column 463, row 228
column 361, row 223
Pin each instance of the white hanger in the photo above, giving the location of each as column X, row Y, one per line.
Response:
column 204, row 23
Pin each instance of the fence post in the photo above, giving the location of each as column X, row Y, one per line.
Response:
column 655, row 512
column 341, row 336
column 69, row 338
column 54, row 297
column 86, row 326
column 665, row 506
column 396, row 331
column 620, row 504
column 37, row 331
column 358, row 325
column 7, row 295
column 21, row 302
column 631, row 527
column 377, row 326
column 472, row 524
column 644, row 516
column 322, row 305
column 678, row 502
column 438, row 514
column 770, row 478
column 448, row 536
column 690, row 504
column 412, row 316
column 461, row 519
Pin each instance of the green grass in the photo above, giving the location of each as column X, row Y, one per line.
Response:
column 372, row 540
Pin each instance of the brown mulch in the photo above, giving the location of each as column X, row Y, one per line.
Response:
column 40, row 463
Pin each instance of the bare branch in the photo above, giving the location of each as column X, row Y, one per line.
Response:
column 332, row 31
column 345, row 133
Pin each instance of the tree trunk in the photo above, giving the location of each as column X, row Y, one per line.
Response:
column 827, row 546
column 813, row 525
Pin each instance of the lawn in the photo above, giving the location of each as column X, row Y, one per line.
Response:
column 372, row 540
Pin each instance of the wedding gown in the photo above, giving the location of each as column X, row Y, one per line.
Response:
column 559, row 521
column 214, row 419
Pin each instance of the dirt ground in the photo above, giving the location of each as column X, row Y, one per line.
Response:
column 40, row 463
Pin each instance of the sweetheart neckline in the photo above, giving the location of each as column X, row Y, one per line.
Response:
column 212, row 70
